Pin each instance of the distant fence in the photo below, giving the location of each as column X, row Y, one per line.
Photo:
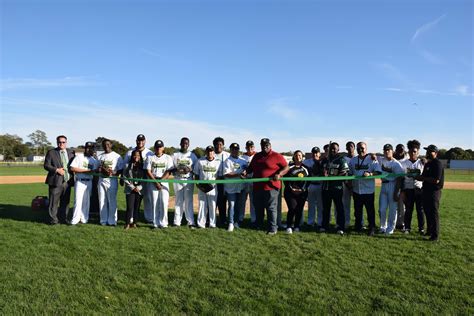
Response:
column 462, row 164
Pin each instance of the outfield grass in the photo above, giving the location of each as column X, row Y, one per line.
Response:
column 94, row 269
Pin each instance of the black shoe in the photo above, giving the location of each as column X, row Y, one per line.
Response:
column 371, row 232
column 435, row 239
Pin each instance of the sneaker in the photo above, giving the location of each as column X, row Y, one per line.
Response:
column 231, row 228
column 382, row 230
column 289, row 230
column 340, row 232
column 371, row 232
column 127, row 227
column 271, row 233
column 389, row 233
column 236, row 225
column 322, row 230
column 213, row 226
column 297, row 230
column 421, row 231
column 406, row 232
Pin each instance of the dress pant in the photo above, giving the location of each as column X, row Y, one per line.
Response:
column 59, row 197
column 266, row 200
column 413, row 198
column 295, row 202
column 431, row 207
column 346, row 202
column 315, row 201
column 134, row 200
column 329, row 196
column 361, row 200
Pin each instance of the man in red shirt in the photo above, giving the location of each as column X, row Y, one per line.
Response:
column 267, row 164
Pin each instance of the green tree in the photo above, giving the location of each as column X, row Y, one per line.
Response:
column 12, row 146
column 40, row 141
column 457, row 153
column 117, row 146
column 199, row 152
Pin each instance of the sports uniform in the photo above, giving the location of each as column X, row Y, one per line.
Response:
column 146, row 191
column 184, row 191
column 347, row 197
column 234, row 166
column 108, row 188
column 295, row 194
column 158, row 165
column 82, row 186
column 221, row 197
column 389, row 188
column 412, row 192
column 205, row 169
column 364, row 190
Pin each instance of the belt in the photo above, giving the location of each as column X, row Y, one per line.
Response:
column 385, row 181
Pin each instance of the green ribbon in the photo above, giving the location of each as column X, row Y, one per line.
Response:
column 284, row 179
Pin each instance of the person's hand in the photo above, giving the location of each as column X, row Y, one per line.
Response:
column 243, row 174
column 136, row 190
column 276, row 177
column 60, row 171
column 373, row 157
column 158, row 185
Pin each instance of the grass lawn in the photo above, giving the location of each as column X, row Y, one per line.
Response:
column 94, row 269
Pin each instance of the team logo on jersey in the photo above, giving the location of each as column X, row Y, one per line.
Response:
column 414, row 171
column 184, row 162
column 387, row 169
column 157, row 165
column 300, row 175
column 236, row 166
column 209, row 169
column 107, row 164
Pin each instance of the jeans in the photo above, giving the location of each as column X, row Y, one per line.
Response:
column 266, row 200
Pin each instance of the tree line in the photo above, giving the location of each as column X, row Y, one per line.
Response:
column 13, row 146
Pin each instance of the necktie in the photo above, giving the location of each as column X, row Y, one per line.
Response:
column 64, row 162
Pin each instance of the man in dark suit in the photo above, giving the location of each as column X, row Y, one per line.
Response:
column 59, row 179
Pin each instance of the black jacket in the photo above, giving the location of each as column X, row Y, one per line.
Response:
column 52, row 161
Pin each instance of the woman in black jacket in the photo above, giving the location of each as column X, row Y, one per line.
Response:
column 295, row 192
column 133, row 188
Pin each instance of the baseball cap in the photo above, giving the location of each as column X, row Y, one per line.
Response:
column 140, row 137
column 432, row 148
column 89, row 144
column 234, row 146
column 249, row 143
column 400, row 146
column 387, row 147
column 210, row 148
column 265, row 141
column 315, row 149
column 159, row 143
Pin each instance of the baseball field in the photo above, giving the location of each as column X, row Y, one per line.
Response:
column 90, row 269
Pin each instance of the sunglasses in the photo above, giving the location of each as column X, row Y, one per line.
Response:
column 62, row 142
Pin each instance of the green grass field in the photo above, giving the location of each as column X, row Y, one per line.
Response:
column 93, row 269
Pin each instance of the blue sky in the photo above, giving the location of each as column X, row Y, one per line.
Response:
column 299, row 72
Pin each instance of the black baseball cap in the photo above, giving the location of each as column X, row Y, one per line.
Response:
column 234, row 146
column 387, row 147
column 400, row 146
column 159, row 143
column 140, row 137
column 432, row 148
column 315, row 149
column 265, row 141
column 210, row 148
column 89, row 144
column 249, row 143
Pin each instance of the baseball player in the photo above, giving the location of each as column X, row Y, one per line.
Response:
column 158, row 167
column 389, row 193
column 411, row 191
column 248, row 187
column 364, row 190
column 233, row 168
column 207, row 168
column 315, row 199
column 347, row 189
column 221, row 156
column 83, row 166
column 111, row 164
column 184, row 161
column 401, row 155
column 147, row 187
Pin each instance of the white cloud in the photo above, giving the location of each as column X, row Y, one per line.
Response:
column 426, row 27
column 23, row 83
column 462, row 90
column 280, row 107
column 393, row 89
column 430, row 57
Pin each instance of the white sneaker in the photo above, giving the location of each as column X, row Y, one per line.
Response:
column 236, row 225
column 297, row 230
column 289, row 230
column 340, row 232
column 231, row 228
column 382, row 230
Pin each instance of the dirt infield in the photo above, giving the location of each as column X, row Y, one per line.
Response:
column 40, row 179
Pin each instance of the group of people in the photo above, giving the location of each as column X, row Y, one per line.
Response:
column 407, row 181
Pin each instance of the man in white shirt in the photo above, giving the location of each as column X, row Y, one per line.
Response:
column 207, row 168
column 221, row 155
column 83, row 166
column 364, row 190
column 233, row 168
column 412, row 189
column 315, row 198
column 111, row 165
column 389, row 193
column 184, row 161
column 147, row 187
column 248, row 187
column 158, row 167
